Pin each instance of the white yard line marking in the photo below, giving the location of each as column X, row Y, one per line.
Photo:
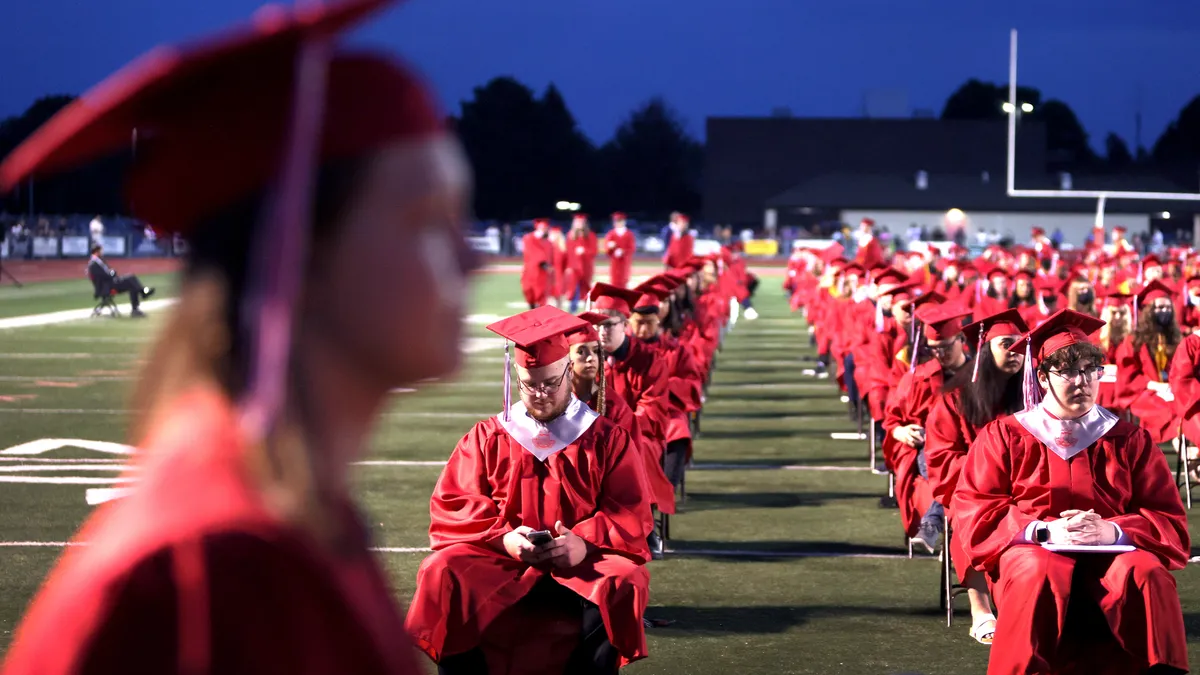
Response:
column 739, row 553
column 400, row 462
column 24, row 468
column 67, row 378
column 64, row 411
column 63, row 480
column 769, row 385
column 39, row 544
column 848, row 436
column 52, row 355
column 46, row 460
column 71, row 315
column 396, row 549
column 44, row 445
column 718, row 466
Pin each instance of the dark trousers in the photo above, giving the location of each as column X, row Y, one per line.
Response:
column 675, row 460
column 131, row 285
column 595, row 655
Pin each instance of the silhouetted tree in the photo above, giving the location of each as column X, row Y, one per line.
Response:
column 1116, row 152
column 652, row 164
column 1179, row 145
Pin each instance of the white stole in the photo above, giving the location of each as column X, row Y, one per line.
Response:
column 543, row 440
column 1067, row 438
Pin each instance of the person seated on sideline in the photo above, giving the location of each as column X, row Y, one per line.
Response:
column 107, row 280
column 1065, row 472
column 540, row 507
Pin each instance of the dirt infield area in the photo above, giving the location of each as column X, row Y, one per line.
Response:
column 33, row 271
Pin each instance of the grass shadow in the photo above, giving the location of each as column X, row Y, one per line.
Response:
column 777, row 550
column 772, row 414
column 710, row 501
column 770, row 463
column 708, row 621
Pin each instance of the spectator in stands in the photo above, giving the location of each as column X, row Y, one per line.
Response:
column 105, row 279
column 96, row 229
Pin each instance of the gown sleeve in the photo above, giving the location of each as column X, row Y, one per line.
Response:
column 945, row 448
column 1184, row 383
column 618, row 524
column 987, row 517
column 462, row 509
column 1155, row 519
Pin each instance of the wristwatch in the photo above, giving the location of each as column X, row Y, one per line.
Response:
column 1041, row 534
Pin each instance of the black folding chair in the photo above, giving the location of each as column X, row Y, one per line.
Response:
column 948, row 590
column 1183, row 472
column 104, row 294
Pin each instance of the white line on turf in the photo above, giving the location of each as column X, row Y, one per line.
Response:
column 50, row 356
column 718, row 466
column 25, row 468
column 63, row 480
column 46, row 460
column 71, row 315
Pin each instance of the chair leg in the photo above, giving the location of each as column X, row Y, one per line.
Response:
column 948, row 578
column 872, row 442
column 1187, row 475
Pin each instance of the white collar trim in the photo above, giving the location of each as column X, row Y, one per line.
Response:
column 543, row 440
column 1067, row 438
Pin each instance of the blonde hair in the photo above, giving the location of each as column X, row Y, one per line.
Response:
column 193, row 351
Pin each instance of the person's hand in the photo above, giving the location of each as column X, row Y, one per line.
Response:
column 910, row 435
column 520, row 548
column 566, row 551
column 1087, row 528
column 617, row 253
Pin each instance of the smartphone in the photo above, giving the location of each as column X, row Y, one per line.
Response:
column 540, row 538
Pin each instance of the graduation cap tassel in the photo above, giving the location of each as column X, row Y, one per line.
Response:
column 1141, row 270
column 912, row 358
column 507, row 379
column 878, row 316
column 1031, row 390
column 978, row 352
column 1135, row 310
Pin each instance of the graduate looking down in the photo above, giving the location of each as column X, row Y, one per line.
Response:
column 1075, row 517
column 539, row 514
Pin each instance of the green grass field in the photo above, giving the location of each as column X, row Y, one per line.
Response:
column 836, row 595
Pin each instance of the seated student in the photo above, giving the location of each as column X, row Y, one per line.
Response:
column 107, row 279
column 1144, row 362
column 1067, row 472
column 548, row 467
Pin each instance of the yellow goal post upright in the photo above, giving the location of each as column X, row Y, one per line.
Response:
column 1100, row 196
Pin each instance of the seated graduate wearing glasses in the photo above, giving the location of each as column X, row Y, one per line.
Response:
column 540, row 506
column 1076, row 518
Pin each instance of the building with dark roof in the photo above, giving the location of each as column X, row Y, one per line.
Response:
column 783, row 172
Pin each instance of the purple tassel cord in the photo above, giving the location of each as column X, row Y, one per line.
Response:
column 507, row 380
column 1031, row 390
column 978, row 355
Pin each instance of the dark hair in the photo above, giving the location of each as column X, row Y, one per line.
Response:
column 222, row 244
column 1017, row 302
column 96, row 247
column 1070, row 355
column 1147, row 330
column 993, row 394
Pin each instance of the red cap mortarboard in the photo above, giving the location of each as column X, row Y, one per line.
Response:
column 855, row 269
column 211, row 116
column 539, row 334
column 1153, row 291
column 942, row 322
column 1064, row 328
column 887, row 277
column 618, row 215
column 928, row 299
column 1151, row 261
column 867, row 222
column 620, row 300
column 1038, row 231
column 540, row 223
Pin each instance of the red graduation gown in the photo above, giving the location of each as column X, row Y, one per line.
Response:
column 641, row 379
column 679, row 250
column 684, row 386
column 490, row 486
column 948, row 437
column 620, row 249
column 191, row 573
column 581, row 261
column 1011, row 479
column 536, row 269
column 910, row 403
column 1136, row 368
column 1184, row 377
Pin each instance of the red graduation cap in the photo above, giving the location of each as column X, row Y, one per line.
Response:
column 942, row 322
column 212, row 116
column 928, row 299
column 620, row 300
column 541, row 223
column 618, row 216
column 1154, row 290
column 1037, row 231
column 1007, row 322
column 887, row 277
column 539, row 334
column 854, row 269
column 588, row 332
column 1064, row 328
column 1116, row 299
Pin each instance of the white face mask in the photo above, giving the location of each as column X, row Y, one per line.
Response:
column 539, row 233
column 619, row 227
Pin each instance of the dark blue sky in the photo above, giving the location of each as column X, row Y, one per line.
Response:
column 716, row 57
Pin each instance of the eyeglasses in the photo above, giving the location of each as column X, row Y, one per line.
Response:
column 545, row 388
column 1073, row 374
column 941, row 347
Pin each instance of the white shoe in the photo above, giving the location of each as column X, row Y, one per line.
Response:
column 751, row 314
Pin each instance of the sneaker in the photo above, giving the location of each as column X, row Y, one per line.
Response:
column 751, row 314
column 147, row 291
column 137, row 314
column 928, row 533
column 655, row 543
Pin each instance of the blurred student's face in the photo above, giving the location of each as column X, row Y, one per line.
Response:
column 1006, row 361
column 644, row 326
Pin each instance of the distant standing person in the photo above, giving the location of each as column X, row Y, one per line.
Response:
column 681, row 244
column 581, row 260
column 537, row 259
column 620, row 245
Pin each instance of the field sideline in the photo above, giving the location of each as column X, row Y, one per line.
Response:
column 783, row 561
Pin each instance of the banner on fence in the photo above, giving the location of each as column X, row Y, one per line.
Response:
column 75, row 246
